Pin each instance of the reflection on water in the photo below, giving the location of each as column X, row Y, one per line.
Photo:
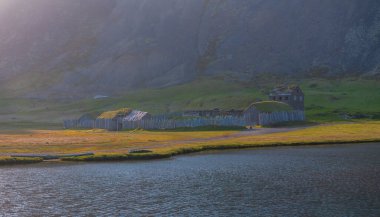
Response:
column 339, row 180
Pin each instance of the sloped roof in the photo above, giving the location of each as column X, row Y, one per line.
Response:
column 135, row 115
column 271, row 106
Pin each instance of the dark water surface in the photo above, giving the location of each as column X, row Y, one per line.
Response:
column 341, row 180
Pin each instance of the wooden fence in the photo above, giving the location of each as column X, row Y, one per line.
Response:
column 153, row 123
column 277, row 117
column 108, row 124
column 158, row 123
column 165, row 123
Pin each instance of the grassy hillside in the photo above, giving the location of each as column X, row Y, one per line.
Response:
column 330, row 99
column 326, row 100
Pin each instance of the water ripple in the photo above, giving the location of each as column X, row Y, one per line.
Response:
column 298, row 181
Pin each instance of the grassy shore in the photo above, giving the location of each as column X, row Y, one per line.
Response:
column 112, row 146
column 18, row 160
column 318, row 135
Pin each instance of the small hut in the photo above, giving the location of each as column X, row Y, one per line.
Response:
column 114, row 119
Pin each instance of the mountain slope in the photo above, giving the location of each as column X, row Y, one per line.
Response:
column 71, row 48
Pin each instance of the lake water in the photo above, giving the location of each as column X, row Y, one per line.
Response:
column 340, row 180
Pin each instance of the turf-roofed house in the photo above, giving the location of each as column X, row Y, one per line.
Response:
column 116, row 118
column 110, row 120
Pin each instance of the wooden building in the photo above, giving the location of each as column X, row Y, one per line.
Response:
column 291, row 95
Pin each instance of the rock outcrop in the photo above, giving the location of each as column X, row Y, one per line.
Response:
column 81, row 48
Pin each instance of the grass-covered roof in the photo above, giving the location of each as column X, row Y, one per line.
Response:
column 116, row 113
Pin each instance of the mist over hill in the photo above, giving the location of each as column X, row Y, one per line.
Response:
column 81, row 48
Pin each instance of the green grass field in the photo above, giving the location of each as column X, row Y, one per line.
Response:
column 326, row 100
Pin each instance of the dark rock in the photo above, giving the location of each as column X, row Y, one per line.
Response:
column 80, row 48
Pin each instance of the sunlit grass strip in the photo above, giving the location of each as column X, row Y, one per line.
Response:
column 18, row 160
column 99, row 141
column 320, row 135
column 110, row 146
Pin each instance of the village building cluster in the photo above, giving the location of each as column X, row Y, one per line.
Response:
column 285, row 103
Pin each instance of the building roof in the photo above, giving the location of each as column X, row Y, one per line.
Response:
column 135, row 115
column 115, row 114
column 271, row 106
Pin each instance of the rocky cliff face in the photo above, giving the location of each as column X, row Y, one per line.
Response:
column 87, row 47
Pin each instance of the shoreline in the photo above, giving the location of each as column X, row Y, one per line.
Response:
column 192, row 150
column 144, row 145
column 9, row 161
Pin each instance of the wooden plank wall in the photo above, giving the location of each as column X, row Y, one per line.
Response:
column 108, row 124
column 276, row 117
column 162, row 123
